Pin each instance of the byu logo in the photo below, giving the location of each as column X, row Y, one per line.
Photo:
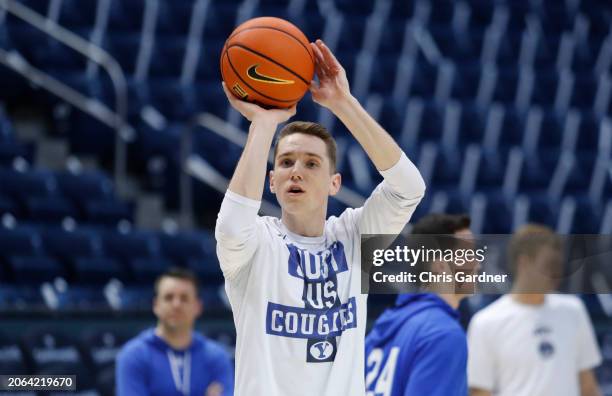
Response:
column 546, row 349
column 321, row 350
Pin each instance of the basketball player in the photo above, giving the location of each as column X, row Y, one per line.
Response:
column 172, row 358
column 294, row 282
column 531, row 343
column 418, row 346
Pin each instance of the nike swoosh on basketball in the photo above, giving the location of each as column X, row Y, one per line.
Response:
column 255, row 75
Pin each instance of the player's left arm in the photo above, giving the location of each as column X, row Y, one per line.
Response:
column 333, row 92
column 588, row 384
column 392, row 203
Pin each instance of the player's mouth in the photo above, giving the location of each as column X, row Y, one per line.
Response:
column 295, row 190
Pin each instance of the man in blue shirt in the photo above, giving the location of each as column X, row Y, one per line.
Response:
column 172, row 359
column 418, row 347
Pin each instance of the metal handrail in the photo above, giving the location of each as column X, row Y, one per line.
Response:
column 238, row 137
column 117, row 119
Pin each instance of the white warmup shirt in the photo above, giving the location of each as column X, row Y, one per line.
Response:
column 296, row 301
column 525, row 350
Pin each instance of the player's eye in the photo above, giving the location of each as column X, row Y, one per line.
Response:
column 286, row 162
column 312, row 164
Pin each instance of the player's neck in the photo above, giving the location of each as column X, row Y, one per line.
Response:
column 529, row 299
column 308, row 225
column 177, row 339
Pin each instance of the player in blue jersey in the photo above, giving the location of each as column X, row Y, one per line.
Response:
column 418, row 347
column 173, row 359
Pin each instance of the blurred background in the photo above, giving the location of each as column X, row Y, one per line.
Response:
column 116, row 145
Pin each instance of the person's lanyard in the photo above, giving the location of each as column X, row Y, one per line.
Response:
column 181, row 382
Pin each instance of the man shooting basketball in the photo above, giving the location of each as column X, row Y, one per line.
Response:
column 294, row 282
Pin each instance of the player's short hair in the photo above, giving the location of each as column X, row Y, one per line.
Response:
column 312, row 129
column 441, row 224
column 529, row 240
column 178, row 273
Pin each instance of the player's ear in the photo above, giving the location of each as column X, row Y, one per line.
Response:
column 336, row 182
column 272, row 186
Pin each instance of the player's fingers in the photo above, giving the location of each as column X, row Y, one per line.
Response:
column 329, row 58
column 229, row 95
column 320, row 64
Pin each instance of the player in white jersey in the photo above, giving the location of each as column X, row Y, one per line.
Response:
column 294, row 282
column 532, row 342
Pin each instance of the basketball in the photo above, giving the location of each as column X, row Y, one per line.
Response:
column 268, row 61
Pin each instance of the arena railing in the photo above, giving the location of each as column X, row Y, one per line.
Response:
column 114, row 119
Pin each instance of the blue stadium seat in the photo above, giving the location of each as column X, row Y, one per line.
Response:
column 184, row 246
column 212, row 297
column 146, row 270
column 498, row 215
column 431, row 123
column 130, row 245
column 108, row 211
column 35, row 270
column 545, row 87
column 76, row 14
column 49, row 209
column 97, row 270
column 473, row 122
column 53, row 353
column 207, row 269
column 136, row 298
column 220, row 21
column 551, row 134
column 491, row 170
column 68, row 245
column 124, row 48
column 85, row 186
column 355, row 8
column 22, row 241
column 174, row 17
column 12, row 360
column 27, row 184
column 167, row 58
column 580, row 175
column 208, row 62
column 20, row 298
column 537, row 171
column 81, row 298
column 101, row 347
column 542, row 210
column 8, row 205
column 447, row 169
column 173, row 100
column 126, row 16
column 10, row 150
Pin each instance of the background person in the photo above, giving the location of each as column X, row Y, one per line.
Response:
column 532, row 342
column 172, row 358
column 418, row 346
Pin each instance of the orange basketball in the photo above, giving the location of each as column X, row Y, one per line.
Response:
column 268, row 61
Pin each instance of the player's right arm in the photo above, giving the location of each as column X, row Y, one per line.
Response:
column 235, row 231
column 250, row 174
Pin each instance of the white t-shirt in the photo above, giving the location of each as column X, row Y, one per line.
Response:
column 304, row 335
column 523, row 350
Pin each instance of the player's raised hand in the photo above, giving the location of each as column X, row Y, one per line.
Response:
column 253, row 112
column 333, row 86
